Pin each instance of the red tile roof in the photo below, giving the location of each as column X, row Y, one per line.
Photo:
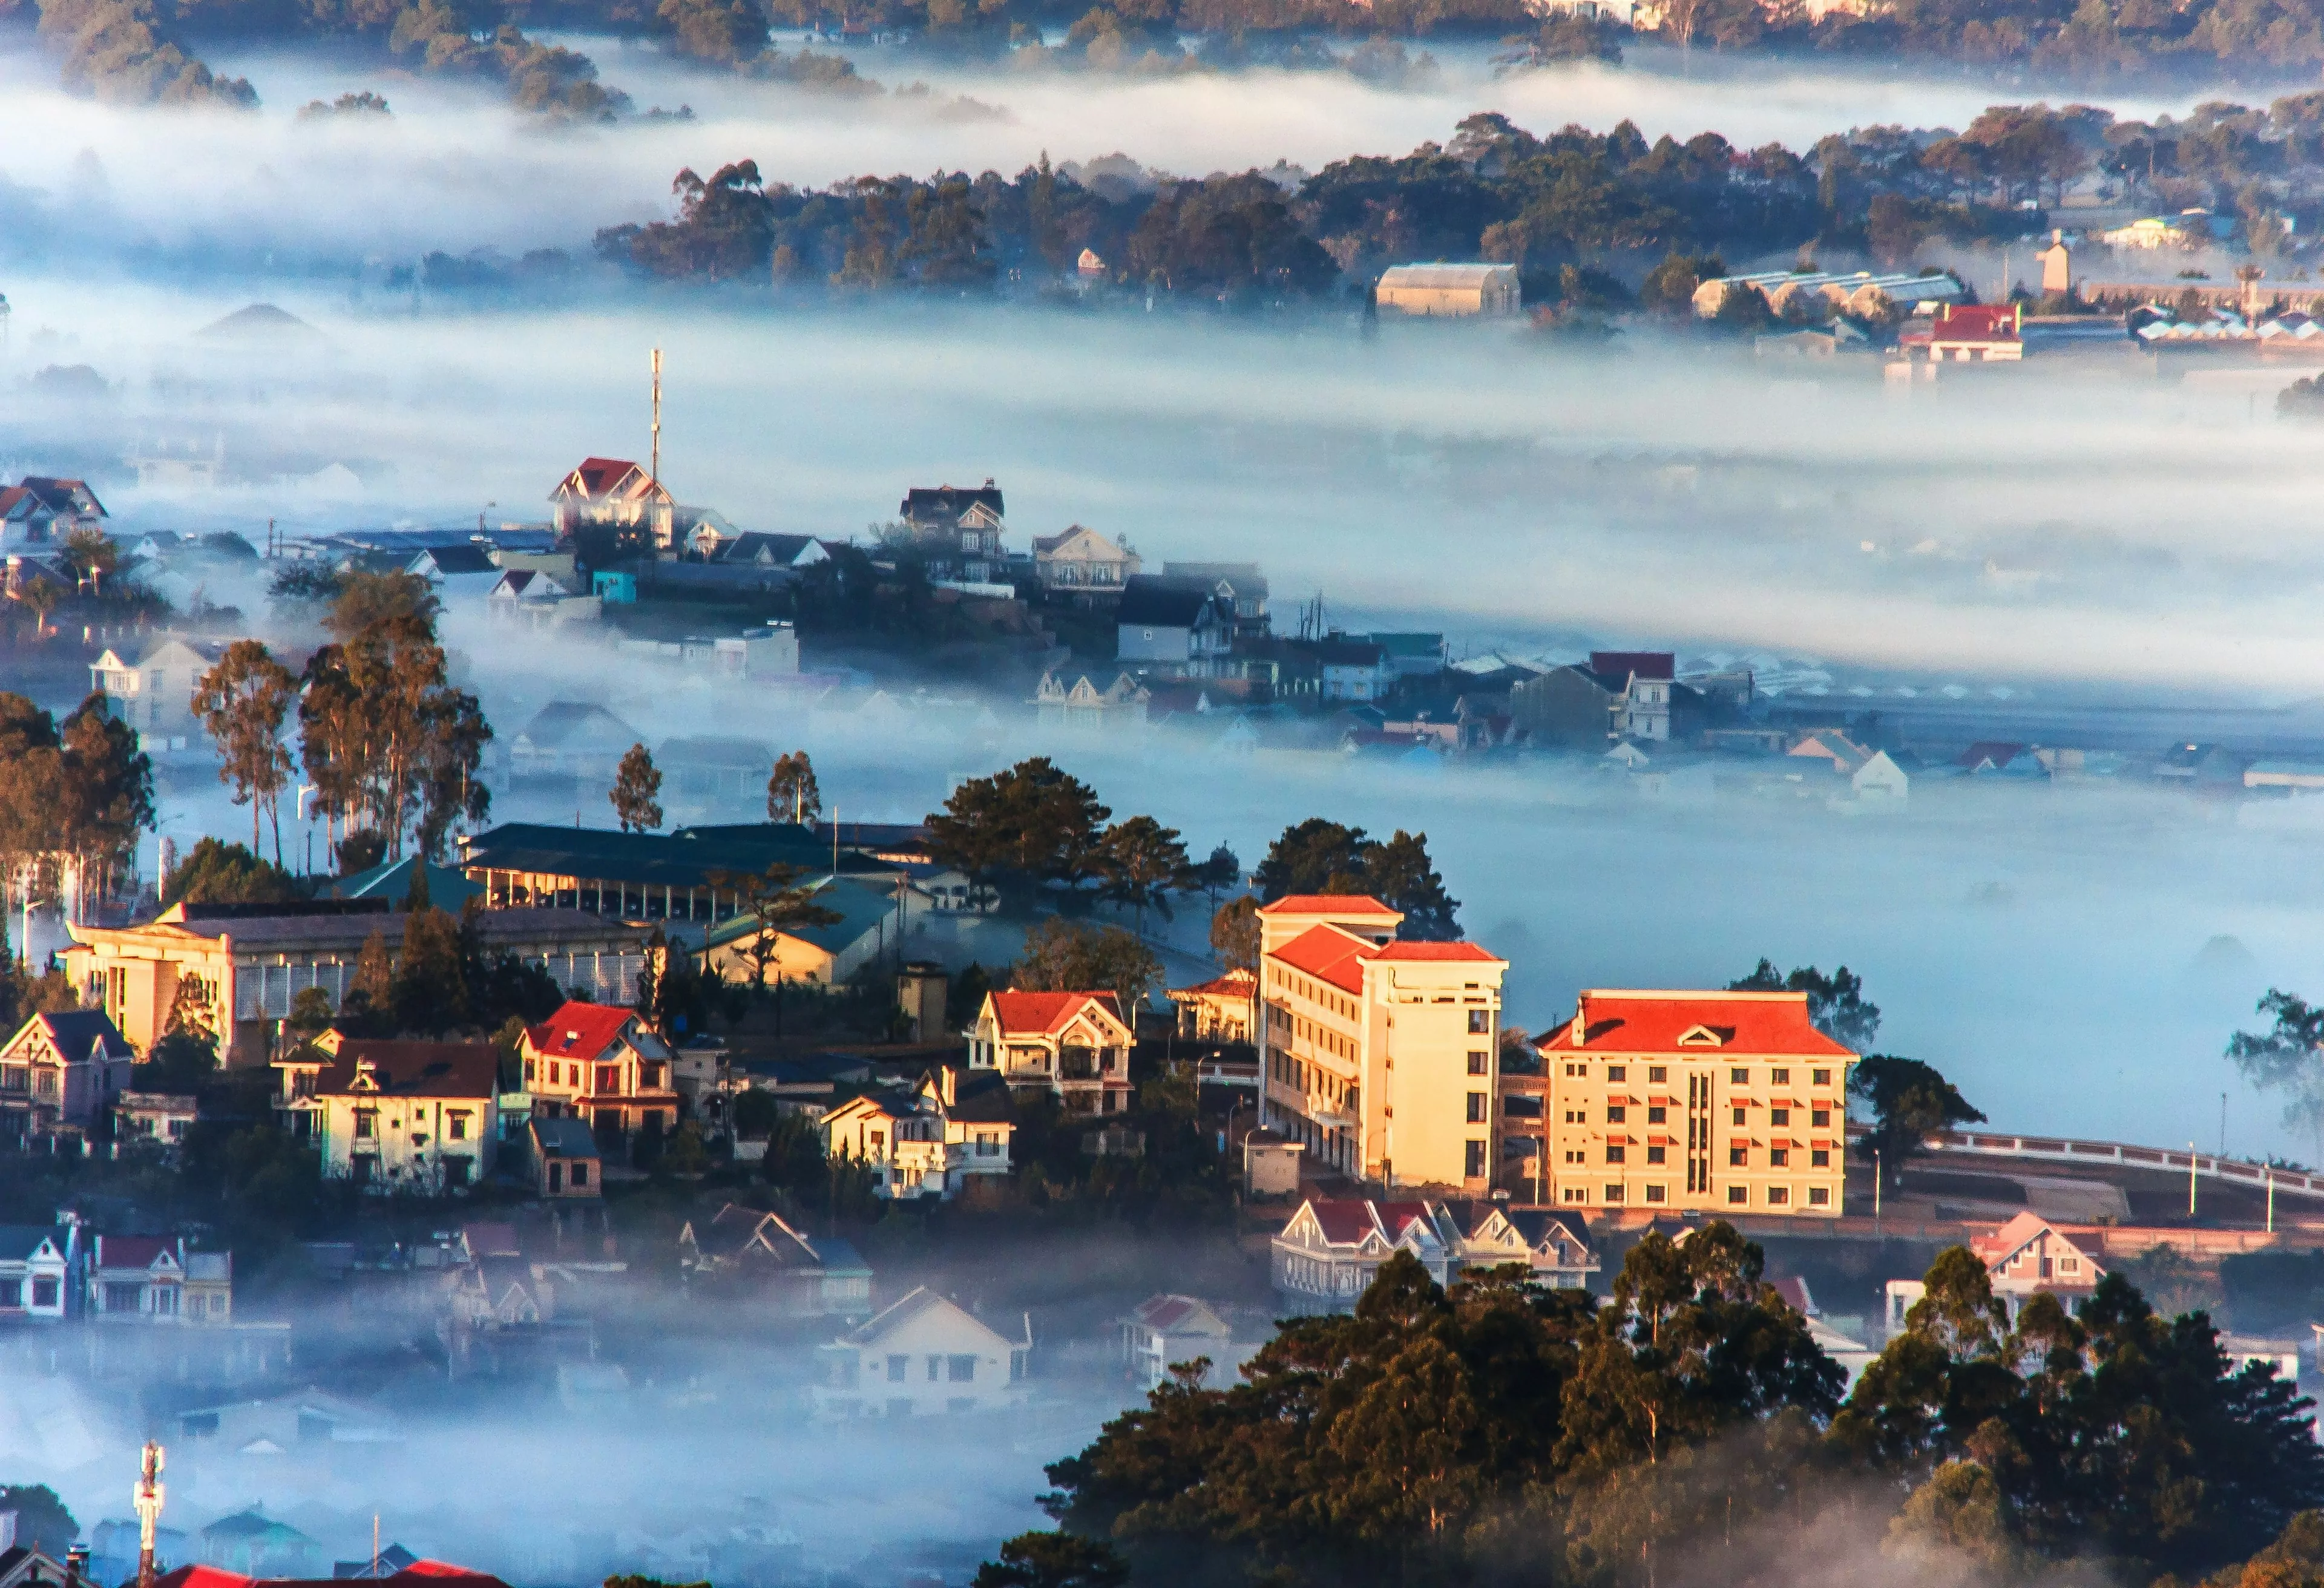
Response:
column 1747, row 1024
column 1329, row 955
column 598, row 475
column 1353, row 905
column 1236, row 983
column 579, row 1031
column 1976, row 322
column 434, row 1573
column 130, row 1251
column 1438, row 951
column 1044, row 1014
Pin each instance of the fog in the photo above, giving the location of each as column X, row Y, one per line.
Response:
column 456, row 169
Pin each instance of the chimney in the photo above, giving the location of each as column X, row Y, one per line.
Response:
column 76, row 1566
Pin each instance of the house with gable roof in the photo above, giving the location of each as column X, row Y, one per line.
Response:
column 154, row 693
column 36, row 1268
column 1075, row 1045
column 1082, row 565
column 566, row 1165
column 1165, row 1331
column 2028, row 1256
column 958, row 529
column 1378, row 1056
column 955, row 1127
column 419, row 1117
column 802, row 1275
column 1182, row 626
column 616, row 493
column 577, row 739
column 1703, row 1101
column 1120, row 704
column 1219, row 1010
column 1332, row 1249
column 823, row 954
column 602, row 1065
column 151, row 1278
column 60, row 1074
column 530, row 598
column 924, row 1356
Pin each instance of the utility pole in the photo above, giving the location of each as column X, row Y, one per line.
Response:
column 2190, row 1182
column 657, row 415
column 1876, row 1191
column 2271, row 1199
column 2223, row 1124
column 147, row 1500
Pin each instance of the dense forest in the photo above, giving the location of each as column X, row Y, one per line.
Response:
column 1591, row 219
column 1689, row 1429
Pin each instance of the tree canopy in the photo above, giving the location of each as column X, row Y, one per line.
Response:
column 1321, row 856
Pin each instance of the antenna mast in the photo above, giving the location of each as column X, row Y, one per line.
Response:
column 147, row 1498
column 657, row 415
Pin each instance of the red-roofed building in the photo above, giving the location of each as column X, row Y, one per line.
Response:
column 1073, row 1044
column 1219, row 1010
column 601, row 1063
column 1379, row 1056
column 1964, row 333
column 419, row 1573
column 614, row 491
column 1731, row 1101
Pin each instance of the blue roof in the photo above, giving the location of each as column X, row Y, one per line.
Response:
column 860, row 912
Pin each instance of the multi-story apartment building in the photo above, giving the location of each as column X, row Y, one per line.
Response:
column 1725, row 1102
column 1380, row 1056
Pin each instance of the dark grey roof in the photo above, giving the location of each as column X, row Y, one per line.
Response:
column 1161, row 602
column 561, row 720
column 761, row 548
column 77, row 1032
column 980, row 1097
column 563, row 1138
column 678, row 860
column 18, row 1242
column 498, row 929
column 928, row 504
column 459, row 559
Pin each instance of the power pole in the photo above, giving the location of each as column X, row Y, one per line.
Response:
column 2190, row 1182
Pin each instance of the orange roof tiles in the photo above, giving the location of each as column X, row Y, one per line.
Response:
column 1749, row 1025
column 1347, row 904
column 1438, row 951
column 1329, row 955
column 1046, row 1013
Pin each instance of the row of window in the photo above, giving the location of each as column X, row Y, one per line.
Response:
column 950, row 1369
column 11, row 1293
column 1659, row 1074
column 1737, row 1196
column 1619, row 1113
column 456, row 1125
column 1738, row 1157
column 17, row 1078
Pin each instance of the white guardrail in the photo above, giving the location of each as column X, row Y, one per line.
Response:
column 2260, row 1177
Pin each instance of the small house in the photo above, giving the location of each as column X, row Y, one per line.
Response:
column 924, row 1356
column 1165, row 1332
column 1075, row 1045
column 1458, row 291
column 36, row 1261
column 564, row 1164
column 60, row 1074
column 1083, row 564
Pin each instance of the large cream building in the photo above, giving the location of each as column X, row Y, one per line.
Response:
column 1710, row 1102
column 1380, row 1056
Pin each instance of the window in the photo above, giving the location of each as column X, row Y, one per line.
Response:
column 1617, row 1072
column 1820, row 1118
column 1573, row 1157
column 1820, row 1077
column 1779, row 1158
column 1653, row 1194
column 1736, row 1194
column 1475, row 1167
column 11, row 1295
column 960, row 1369
column 1616, row 1152
column 1657, row 1115
column 528, row 1065
column 936, row 1368
column 2069, row 1265
column 1742, row 1116
column 1657, row 1154
column 1738, row 1158
column 609, row 1077
column 367, row 1124
column 45, row 1292
column 1658, row 1073
column 120, row 1297
column 1481, row 1023
column 1577, row 1069
column 44, row 1082
column 1480, row 1107
column 898, row 1366
column 1778, row 1196
column 1819, row 1197
column 456, row 1126
column 1613, row 1194
column 1740, row 1076
column 1572, row 1194
column 1820, row 1158
column 1779, row 1116
column 1616, row 1113
column 1779, row 1077
column 580, row 1176
column 1480, row 1063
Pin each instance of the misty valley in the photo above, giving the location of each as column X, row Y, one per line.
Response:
column 1426, row 794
